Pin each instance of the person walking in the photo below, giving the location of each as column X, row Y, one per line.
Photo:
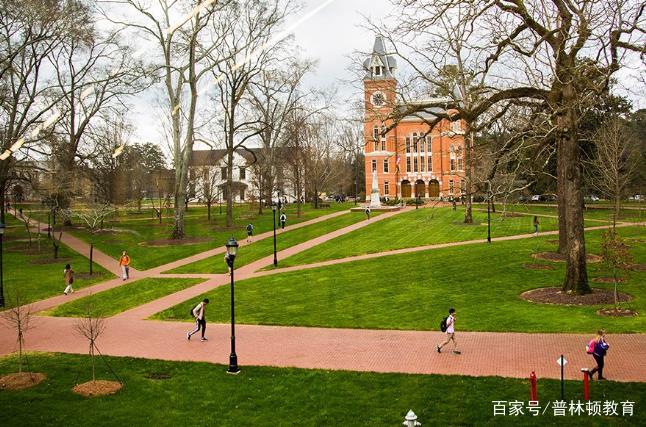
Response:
column 368, row 211
column 283, row 220
column 199, row 313
column 124, row 262
column 249, row 229
column 598, row 348
column 450, row 332
column 536, row 223
column 68, row 276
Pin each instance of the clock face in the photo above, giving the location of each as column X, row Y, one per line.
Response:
column 378, row 99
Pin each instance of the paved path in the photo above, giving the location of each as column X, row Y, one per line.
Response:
column 503, row 354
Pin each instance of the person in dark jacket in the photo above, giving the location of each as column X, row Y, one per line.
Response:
column 599, row 353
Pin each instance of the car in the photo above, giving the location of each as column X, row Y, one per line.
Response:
column 536, row 198
column 593, row 198
column 637, row 197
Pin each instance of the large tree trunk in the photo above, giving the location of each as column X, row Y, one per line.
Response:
column 561, row 167
column 230, row 184
column 576, row 277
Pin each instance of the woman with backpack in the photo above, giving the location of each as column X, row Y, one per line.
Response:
column 598, row 348
column 68, row 276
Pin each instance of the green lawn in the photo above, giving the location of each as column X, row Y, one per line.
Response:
column 593, row 212
column 203, row 394
column 122, row 298
column 413, row 291
column 132, row 234
column 417, row 228
column 263, row 248
column 36, row 275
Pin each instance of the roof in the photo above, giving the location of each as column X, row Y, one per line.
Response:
column 381, row 58
column 213, row 157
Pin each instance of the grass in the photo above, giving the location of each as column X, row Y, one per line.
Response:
column 37, row 275
column 417, row 228
column 122, row 298
column 132, row 234
column 412, row 292
column 203, row 394
column 265, row 247
column 593, row 212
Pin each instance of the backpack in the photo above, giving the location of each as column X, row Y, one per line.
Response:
column 590, row 348
column 249, row 227
column 191, row 313
column 443, row 325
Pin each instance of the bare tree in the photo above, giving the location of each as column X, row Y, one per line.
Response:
column 92, row 218
column 91, row 327
column 616, row 256
column 557, row 53
column 615, row 162
column 19, row 318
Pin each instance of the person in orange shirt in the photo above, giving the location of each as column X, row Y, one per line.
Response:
column 124, row 262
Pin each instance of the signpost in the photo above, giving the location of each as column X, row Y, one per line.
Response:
column 562, row 362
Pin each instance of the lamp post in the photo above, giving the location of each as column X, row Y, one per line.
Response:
column 232, row 249
column 2, row 228
column 273, row 210
column 488, row 211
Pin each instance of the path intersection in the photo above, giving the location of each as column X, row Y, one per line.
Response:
column 483, row 353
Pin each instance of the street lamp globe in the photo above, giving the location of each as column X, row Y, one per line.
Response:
column 232, row 248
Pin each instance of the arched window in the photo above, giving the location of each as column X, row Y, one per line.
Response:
column 415, row 142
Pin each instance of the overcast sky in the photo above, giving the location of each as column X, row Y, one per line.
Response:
column 330, row 36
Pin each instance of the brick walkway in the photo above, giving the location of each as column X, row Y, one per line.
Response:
column 501, row 354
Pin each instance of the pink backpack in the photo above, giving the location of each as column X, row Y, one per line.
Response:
column 590, row 348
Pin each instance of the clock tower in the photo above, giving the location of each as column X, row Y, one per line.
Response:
column 379, row 101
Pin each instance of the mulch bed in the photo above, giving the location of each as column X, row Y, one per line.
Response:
column 40, row 261
column 539, row 267
column 556, row 296
column 608, row 280
column 617, row 312
column 557, row 257
column 97, row 388
column 22, row 380
column 638, row 267
column 175, row 242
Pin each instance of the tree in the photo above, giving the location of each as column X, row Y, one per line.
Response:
column 19, row 318
column 616, row 257
column 614, row 162
column 92, row 217
column 90, row 327
column 249, row 41
column 554, row 53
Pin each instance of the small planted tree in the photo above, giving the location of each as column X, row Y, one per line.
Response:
column 92, row 219
column 19, row 319
column 616, row 257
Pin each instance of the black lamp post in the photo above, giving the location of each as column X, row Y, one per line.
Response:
column 232, row 249
column 488, row 211
column 2, row 228
column 273, row 210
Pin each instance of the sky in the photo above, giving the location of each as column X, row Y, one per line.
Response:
column 329, row 36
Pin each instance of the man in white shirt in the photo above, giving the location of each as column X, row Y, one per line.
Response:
column 200, row 319
column 450, row 332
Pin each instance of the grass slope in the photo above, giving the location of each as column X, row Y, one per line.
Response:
column 37, row 275
column 412, row 291
column 122, row 298
column 265, row 247
column 203, row 394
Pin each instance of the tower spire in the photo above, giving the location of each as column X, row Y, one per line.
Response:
column 380, row 65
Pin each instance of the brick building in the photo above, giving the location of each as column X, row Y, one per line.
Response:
column 411, row 159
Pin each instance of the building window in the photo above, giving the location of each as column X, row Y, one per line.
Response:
column 451, row 186
column 385, row 165
column 386, row 188
column 452, row 149
column 408, row 144
column 463, row 187
column 243, row 173
column 407, row 164
column 383, row 144
column 456, row 126
column 421, row 163
column 375, row 133
column 452, row 165
column 429, row 162
column 374, row 165
column 415, row 140
column 241, row 194
column 428, row 144
column 223, row 171
column 415, row 164
column 377, row 71
column 460, row 164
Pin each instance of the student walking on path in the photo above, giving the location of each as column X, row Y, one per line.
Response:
column 598, row 348
column 450, row 332
column 249, row 229
column 124, row 262
column 283, row 220
column 536, row 223
column 368, row 212
column 68, row 276
column 200, row 319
